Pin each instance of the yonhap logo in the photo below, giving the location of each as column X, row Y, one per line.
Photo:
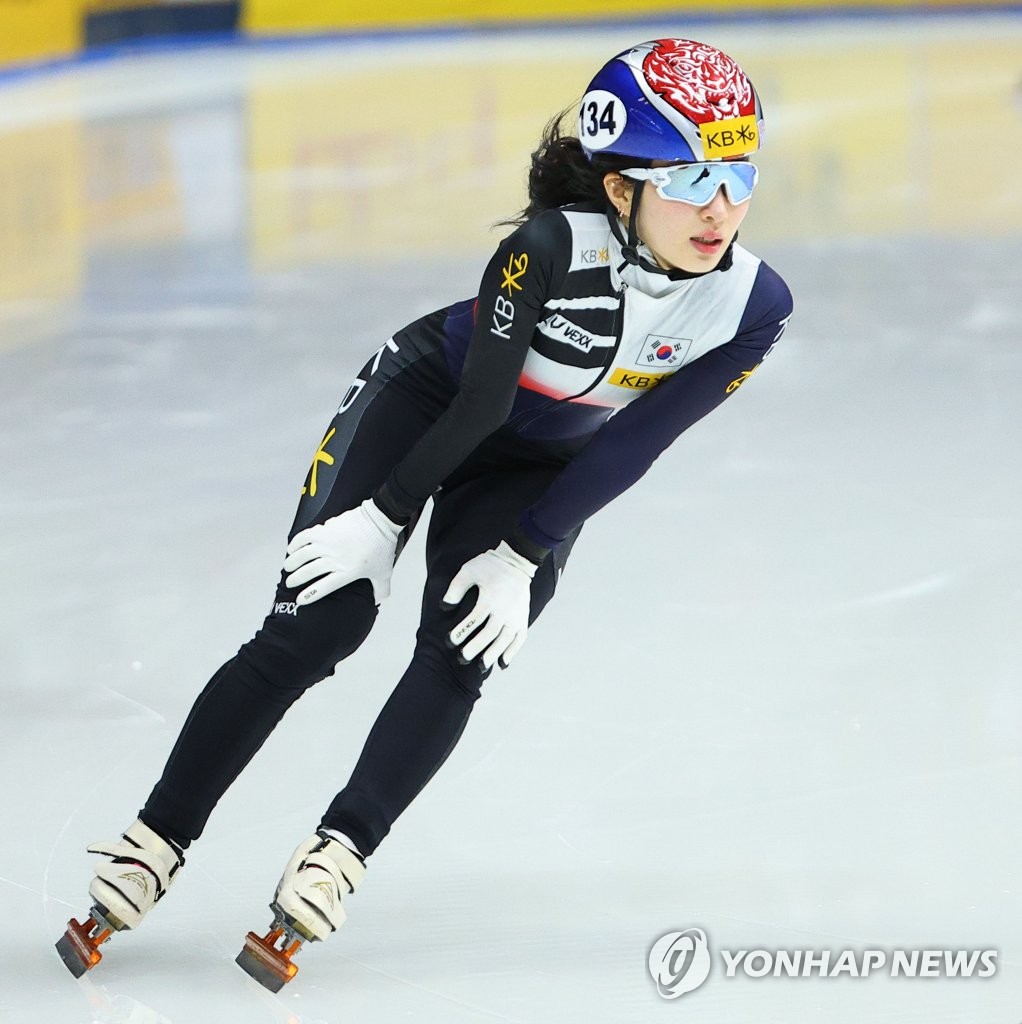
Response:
column 679, row 962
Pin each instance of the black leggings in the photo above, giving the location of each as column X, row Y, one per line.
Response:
column 382, row 415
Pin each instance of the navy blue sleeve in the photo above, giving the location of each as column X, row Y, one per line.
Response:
column 624, row 448
column 514, row 287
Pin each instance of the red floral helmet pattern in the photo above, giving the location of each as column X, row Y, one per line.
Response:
column 674, row 100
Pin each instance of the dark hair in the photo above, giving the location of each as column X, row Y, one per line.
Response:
column 561, row 173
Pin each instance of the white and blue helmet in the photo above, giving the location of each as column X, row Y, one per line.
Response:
column 671, row 99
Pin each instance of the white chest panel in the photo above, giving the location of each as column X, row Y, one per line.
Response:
column 665, row 324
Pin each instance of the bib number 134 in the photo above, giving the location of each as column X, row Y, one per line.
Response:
column 601, row 119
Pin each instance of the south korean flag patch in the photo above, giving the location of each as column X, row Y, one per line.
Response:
column 657, row 351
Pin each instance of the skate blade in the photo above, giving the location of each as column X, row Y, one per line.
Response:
column 77, row 947
column 265, row 961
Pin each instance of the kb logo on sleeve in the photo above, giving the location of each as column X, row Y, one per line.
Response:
column 504, row 309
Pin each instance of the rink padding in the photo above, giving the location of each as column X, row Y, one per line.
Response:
column 148, row 21
column 276, row 16
column 34, row 32
column 49, row 33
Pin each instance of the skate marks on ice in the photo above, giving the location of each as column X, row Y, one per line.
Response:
column 41, row 893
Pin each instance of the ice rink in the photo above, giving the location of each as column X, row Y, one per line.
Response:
column 779, row 696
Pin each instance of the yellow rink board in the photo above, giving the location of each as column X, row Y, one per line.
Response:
column 33, row 30
column 268, row 16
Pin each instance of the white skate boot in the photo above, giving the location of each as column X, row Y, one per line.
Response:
column 320, row 873
column 306, row 906
column 141, row 868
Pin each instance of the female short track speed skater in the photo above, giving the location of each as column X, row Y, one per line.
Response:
column 618, row 313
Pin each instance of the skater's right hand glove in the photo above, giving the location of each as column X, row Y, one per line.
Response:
column 496, row 627
column 359, row 544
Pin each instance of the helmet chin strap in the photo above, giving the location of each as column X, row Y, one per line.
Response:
column 630, row 245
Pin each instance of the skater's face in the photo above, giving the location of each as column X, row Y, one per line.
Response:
column 681, row 236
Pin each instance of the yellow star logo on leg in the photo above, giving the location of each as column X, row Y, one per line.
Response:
column 322, row 455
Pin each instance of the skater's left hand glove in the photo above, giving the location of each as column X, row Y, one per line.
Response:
column 497, row 625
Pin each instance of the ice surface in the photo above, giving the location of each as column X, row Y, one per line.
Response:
column 778, row 696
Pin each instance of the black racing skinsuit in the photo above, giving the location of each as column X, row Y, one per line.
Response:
column 447, row 409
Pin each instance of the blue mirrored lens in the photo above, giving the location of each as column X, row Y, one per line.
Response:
column 698, row 183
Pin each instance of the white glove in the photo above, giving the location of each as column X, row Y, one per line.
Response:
column 360, row 544
column 501, row 612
